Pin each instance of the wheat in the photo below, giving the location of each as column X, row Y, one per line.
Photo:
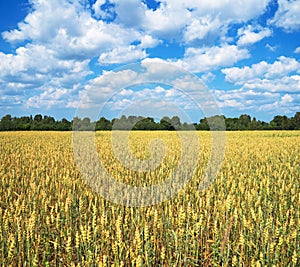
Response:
column 50, row 216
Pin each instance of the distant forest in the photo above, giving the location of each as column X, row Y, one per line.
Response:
column 48, row 123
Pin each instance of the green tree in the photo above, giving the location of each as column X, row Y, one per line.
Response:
column 6, row 123
column 103, row 124
column 165, row 124
column 296, row 121
column 281, row 123
column 175, row 122
column 244, row 121
column 203, row 124
column 38, row 118
column 232, row 124
column 216, row 123
column 63, row 125
column 145, row 124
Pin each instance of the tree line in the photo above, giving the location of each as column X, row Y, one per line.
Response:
column 243, row 122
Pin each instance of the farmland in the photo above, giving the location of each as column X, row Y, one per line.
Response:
column 249, row 216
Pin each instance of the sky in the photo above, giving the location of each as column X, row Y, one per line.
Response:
column 61, row 56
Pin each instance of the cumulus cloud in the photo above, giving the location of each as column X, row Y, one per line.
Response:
column 130, row 13
column 124, row 86
column 194, row 19
column 157, row 102
column 264, row 94
column 71, row 33
column 34, row 69
column 249, row 100
column 197, row 18
column 250, row 35
column 287, row 99
column 122, row 54
column 60, row 48
column 243, row 99
column 129, row 53
column 263, row 87
column 48, row 98
column 111, row 81
column 209, row 58
column 290, row 84
column 297, row 50
column 285, row 104
column 63, row 36
column 147, row 41
column 287, row 16
column 103, row 11
column 198, row 29
column 34, row 65
column 262, row 70
column 208, row 77
column 41, row 25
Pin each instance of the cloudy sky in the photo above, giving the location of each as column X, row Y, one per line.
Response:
column 53, row 54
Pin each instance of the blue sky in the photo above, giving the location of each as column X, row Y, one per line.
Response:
column 53, row 54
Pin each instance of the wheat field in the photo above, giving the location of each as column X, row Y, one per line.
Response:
column 249, row 216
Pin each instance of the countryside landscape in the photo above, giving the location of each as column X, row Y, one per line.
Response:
column 150, row 133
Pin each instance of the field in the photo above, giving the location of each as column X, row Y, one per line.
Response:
column 249, row 216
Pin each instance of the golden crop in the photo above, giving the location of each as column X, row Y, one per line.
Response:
column 249, row 216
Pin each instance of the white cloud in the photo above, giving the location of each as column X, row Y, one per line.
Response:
column 121, row 55
column 161, row 22
column 280, row 68
column 189, row 83
column 117, row 86
column 250, row 35
column 264, row 87
column 111, row 81
column 114, row 83
column 72, row 32
column 130, row 13
column 41, row 25
column 208, row 77
column 271, row 48
column 246, row 95
column 209, row 58
column 297, row 50
column 285, row 104
column 61, row 47
column 102, row 13
column 159, row 69
column 156, row 102
column 286, row 84
column 37, row 65
column 49, row 98
column 147, row 41
column 280, row 95
column 287, row 16
column 200, row 28
column 202, row 15
column 129, row 53
column 64, row 35
column 189, row 20
column 34, row 69
column 249, row 100
column 287, row 98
